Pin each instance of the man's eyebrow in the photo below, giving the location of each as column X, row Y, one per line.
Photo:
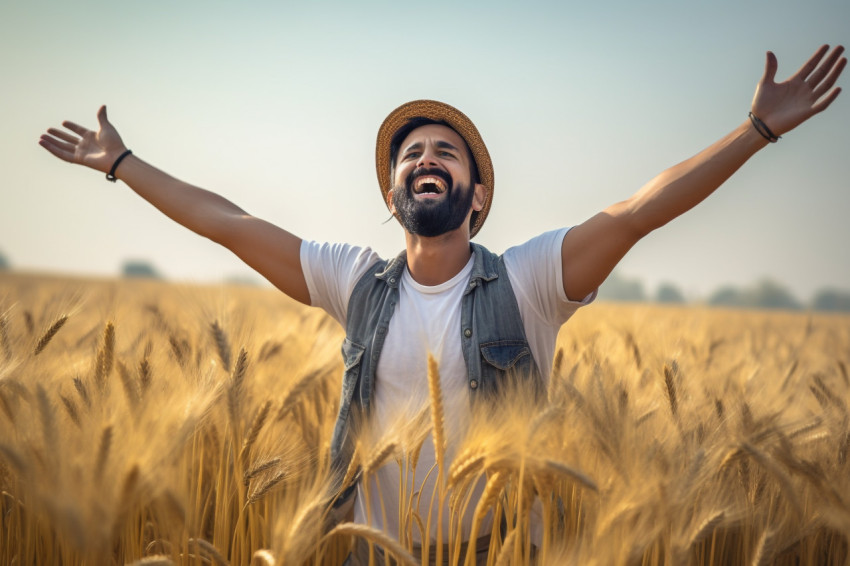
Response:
column 417, row 146
column 446, row 145
column 411, row 147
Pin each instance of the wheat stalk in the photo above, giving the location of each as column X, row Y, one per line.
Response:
column 507, row 549
column 764, row 549
column 380, row 538
column 105, row 357
column 207, row 548
column 262, row 557
column 669, row 381
column 235, row 391
column 254, row 431
column 435, row 391
column 49, row 334
column 265, row 487
column 82, row 391
column 71, row 409
column 258, row 469
column 103, row 452
column 131, row 390
column 221, row 344
column 380, row 455
column 4, row 338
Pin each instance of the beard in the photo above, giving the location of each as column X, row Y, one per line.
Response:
column 431, row 218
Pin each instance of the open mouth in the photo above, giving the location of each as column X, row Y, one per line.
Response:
column 429, row 184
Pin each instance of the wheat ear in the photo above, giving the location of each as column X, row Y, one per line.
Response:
column 259, row 468
column 103, row 452
column 254, row 432
column 4, row 338
column 295, row 392
column 105, row 357
column 380, row 538
column 221, row 344
column 438, row 419
column 507, row 549
column 669, row 381
column 210, row 550
column 234, row 392
column 262, row 557
column 49, row 334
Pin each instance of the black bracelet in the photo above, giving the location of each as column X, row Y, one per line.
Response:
column 762, row 128
column 111, row 175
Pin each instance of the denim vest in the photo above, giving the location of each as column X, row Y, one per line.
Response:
column 491, row 332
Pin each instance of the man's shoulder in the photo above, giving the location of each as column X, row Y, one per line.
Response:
column 545, row 245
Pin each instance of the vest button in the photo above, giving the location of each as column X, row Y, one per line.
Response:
column 473, row 384
column 392, row 280
column 467, row 333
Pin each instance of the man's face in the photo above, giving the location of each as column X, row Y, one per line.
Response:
column 432, row 189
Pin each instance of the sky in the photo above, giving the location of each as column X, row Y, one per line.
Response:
column 276, row 105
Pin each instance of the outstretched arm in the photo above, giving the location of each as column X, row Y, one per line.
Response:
column 591, row 250
column 271, row 251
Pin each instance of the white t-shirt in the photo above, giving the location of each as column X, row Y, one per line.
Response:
column 427, row 320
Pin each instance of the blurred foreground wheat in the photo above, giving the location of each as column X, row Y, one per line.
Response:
column 148, row 423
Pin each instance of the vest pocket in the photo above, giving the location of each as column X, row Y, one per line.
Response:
column 505, row 354
column 352, row 354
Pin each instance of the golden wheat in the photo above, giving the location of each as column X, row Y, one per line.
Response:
column 669, row 435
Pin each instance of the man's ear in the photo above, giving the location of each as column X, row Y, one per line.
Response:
column 479, row 197
column 390, row 204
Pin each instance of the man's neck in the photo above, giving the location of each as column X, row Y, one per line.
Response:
column 432, row 261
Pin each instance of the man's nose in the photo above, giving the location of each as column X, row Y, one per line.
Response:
column 427, row 159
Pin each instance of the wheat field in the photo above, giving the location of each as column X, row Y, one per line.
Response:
column 143, row 422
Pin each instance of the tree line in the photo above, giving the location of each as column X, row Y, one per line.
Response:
column 764, row 294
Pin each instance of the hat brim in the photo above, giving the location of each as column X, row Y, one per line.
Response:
column 434, row 110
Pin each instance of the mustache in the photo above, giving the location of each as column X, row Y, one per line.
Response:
column 423, row 171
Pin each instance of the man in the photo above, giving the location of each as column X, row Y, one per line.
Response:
column 479, row 315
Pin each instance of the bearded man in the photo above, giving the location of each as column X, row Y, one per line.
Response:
column 479, row 315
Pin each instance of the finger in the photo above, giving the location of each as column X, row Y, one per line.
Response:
column 825, row 67
column 101, row 117
column 830, row 79
column 65, row 136
column 770, row 66
column 59, row 144
column 76, row 128
column 58, row 152
column 823, row 104
column 813, row 61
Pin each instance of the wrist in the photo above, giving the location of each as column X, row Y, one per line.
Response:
column 763, row 129
column 110, row 175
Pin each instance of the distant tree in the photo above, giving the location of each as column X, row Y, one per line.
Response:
column 727, row 297
column 766, row 294
column 831, row 300
column 137, row 268
column 669, row 293
column 619, row 288
column 769, row 294
column 4, row 263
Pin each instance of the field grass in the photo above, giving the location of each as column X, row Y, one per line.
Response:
column 151, row 423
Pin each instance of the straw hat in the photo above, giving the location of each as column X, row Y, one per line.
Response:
column 434, row 110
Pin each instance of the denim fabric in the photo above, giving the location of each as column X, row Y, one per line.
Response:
column 491, row 332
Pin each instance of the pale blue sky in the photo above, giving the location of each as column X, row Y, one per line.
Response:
column 275, row 105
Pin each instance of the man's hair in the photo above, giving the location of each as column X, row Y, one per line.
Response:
column 412, row 124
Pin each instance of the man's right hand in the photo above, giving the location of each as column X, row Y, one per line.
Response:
column 97, row 150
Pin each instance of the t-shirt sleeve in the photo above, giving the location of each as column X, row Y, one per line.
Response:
column 534, row 269
column 331, row 271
